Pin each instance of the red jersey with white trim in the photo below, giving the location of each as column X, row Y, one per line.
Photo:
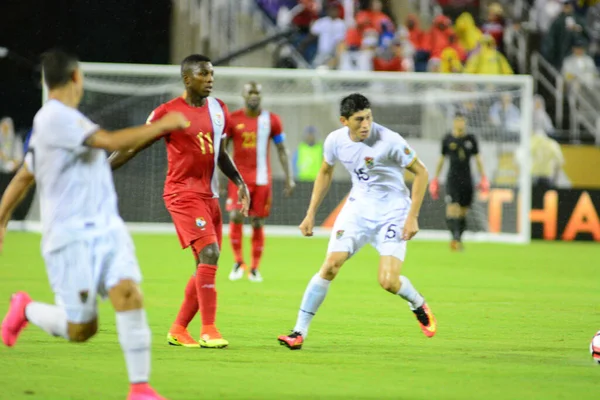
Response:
column 192, row 152
column 251, row 138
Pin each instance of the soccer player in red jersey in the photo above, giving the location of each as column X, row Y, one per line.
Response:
column 191, row 193
column 250, row 129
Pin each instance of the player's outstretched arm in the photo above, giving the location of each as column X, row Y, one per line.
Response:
column 130, row 138
column 286, row 165
column 484, row 184
column 14, row 194
column 120, row 157
column 434, row 186
column 229, row 169
column 419, row 187
column 320, row 189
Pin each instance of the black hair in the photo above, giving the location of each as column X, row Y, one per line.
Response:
column 192, row 60
column 353, row 103
column 58, row 67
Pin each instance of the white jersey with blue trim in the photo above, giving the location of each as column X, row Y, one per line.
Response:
column 376, row 164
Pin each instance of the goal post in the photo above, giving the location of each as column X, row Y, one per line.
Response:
column 419, row 106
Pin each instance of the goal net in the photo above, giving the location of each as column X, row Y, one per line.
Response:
column 420, row 107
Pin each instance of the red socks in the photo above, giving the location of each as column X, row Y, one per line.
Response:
column 235, row 235
column 189, row 307
column 207, row 294
column 258, row 242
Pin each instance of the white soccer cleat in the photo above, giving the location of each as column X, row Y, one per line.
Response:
column 255, row 276
column 237, row 272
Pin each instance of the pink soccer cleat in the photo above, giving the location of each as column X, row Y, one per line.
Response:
column 143, row 391
column 15, row 320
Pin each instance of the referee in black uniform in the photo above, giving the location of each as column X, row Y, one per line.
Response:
column 458, row 147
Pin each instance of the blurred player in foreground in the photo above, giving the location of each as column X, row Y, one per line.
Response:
column 191, row 193
column 459, row 147
column 379, row 211
column 86, row 247
column 250, row 129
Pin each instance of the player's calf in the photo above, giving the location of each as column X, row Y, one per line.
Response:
column 331, row 266
column 82, row 332
column 133, row 330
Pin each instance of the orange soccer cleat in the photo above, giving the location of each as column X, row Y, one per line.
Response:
column 210, row 338
column 179, row 336
column 293, row 341
column 426, row 320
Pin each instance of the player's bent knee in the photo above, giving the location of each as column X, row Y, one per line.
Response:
column 82, row 332
column 390, row 284
column 258, row 222
column 236, row 217
column 209, row 254
column 331, row 267
column 126, row 295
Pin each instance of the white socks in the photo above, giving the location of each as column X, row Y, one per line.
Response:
column 409, row 293
column 50, row 318
column 134, row 336
column 313, row 297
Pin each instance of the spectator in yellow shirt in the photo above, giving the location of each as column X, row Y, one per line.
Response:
column 488, row 60
column 450, row 61
column 546, row 160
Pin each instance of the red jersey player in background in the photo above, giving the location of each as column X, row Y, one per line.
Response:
column 250, row 129
column 191, row 193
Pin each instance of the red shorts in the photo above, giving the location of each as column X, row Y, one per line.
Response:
column 196, row 219
column 260, row 200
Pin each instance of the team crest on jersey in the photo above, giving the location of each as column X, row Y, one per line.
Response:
column 339, row 234
column 452, row 146
column 218, row 119
column 468, row 145
column 240, row 126
column 369, row 162
column 200, row 222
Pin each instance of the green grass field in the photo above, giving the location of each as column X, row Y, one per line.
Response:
column 515, row 322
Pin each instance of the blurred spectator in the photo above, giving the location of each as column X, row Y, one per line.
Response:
column 11, row 147
column 450, row 61
column 438, row 37
column 488, row 60
column 373, row 17
column 434, row 65
column 494, row 25
column 544, row 12
column 592, row 27
column 565, row 29
column 453, row 8
column 546, row 160
column 308, row 157
column 303, row 15
column 456, row 46
column 283, row 58
column 504, row 114
column 408, row 49
column 579, row 68
column 391, row 58
column 541, row 119
column 415, row 34
column 329, row 31
column 467, row 32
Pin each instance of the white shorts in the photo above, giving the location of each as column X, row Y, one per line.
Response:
column 355, row 226
column 82, row 270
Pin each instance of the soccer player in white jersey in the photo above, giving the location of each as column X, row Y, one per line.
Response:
column 380, row 210
column 85, row 245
